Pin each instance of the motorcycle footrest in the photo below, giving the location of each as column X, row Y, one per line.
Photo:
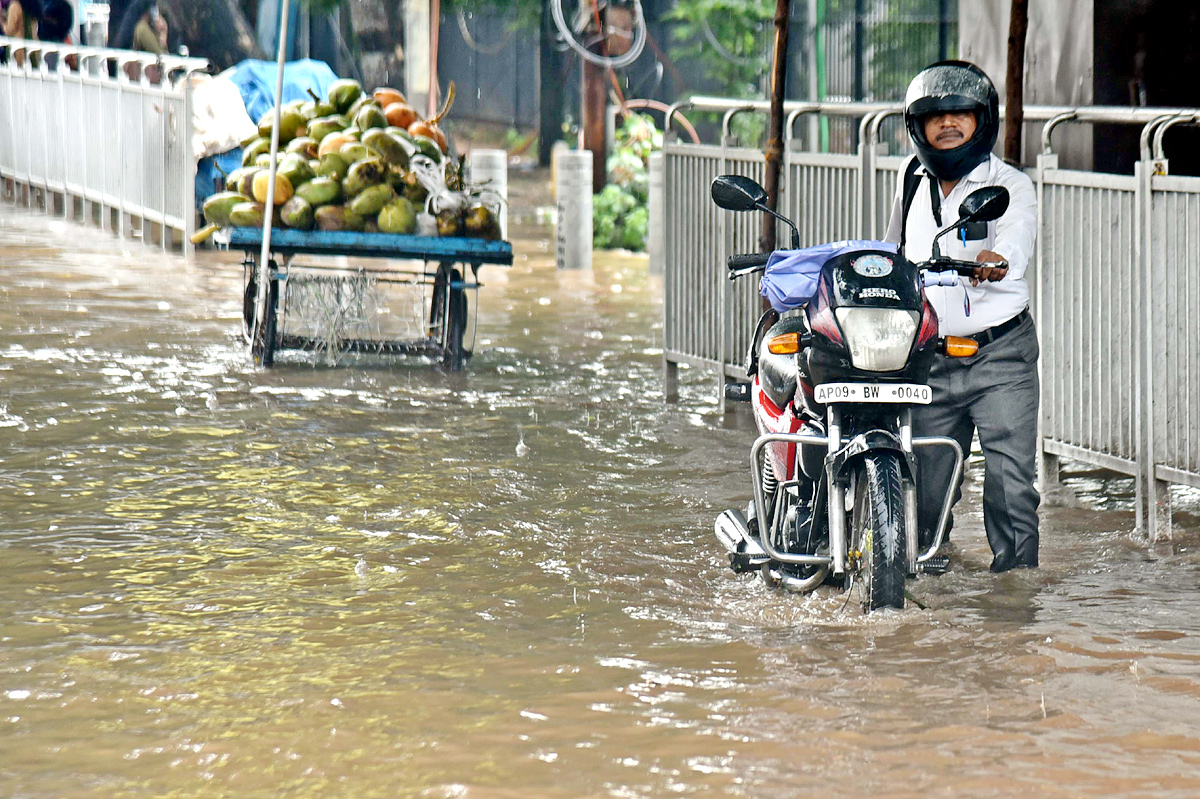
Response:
column 744, row 562
column 745, row 551
column 938, row 564
column 737, row 392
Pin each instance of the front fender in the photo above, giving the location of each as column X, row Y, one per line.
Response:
column 840, row 462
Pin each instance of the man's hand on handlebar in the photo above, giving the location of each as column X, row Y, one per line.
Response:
column 993, row 267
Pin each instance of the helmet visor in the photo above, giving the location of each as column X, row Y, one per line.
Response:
column 946, row 87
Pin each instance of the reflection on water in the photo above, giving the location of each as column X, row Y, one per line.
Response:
column 381, row 580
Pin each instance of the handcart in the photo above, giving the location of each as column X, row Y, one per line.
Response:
column 444, row 266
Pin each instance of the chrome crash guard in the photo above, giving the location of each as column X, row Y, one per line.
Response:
column 840, row 453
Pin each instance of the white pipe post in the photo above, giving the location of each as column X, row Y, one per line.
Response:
column 488, row 170
column 574, row 226
column 260, row 317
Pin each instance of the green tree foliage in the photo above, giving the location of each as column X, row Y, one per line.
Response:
column 900, row 39
column 738, row 59
column 620, row 217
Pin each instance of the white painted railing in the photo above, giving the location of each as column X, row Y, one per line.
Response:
column 79, row 137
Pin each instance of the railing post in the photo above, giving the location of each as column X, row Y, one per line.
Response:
column 656, row 245
column 188, row 178
column 723, row 292
column 1047, row 464
column 866, row 165
column 670, row 274
column 1153, row 500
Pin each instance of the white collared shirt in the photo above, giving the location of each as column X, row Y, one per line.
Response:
column 965, row 309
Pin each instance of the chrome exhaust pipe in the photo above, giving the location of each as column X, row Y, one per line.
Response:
column 801, row 585
column 732, row 530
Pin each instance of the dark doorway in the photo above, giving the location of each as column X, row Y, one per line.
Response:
column 1147, row 54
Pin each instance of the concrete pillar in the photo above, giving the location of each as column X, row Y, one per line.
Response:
column 573, row 230
column 657, row 244
column 488, row 170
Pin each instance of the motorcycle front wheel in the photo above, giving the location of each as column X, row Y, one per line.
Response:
column 877, row 529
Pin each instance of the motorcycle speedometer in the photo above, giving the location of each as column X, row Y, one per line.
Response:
column 879, row 339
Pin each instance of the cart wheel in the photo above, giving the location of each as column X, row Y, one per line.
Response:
column 437, row 304
column 455, row 355
column 265, row 343
column 248, row 299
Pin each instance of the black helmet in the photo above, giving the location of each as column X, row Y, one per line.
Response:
column 945, row 87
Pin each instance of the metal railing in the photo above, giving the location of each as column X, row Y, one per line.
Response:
column 1115, row 292
column 77, row 132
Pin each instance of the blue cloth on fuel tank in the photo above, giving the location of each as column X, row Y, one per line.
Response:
column 790, row 279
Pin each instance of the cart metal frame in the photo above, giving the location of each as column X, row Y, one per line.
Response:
column 447, row 320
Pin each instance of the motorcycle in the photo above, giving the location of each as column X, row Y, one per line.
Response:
column 833, row 379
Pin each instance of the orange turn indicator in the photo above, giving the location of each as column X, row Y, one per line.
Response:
column 785, row 344
column 959, row 347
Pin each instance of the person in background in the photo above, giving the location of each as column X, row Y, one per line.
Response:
column 56, row 22
column 57, row 19
column 21, row 18
column 150, row 33
column 143, row 27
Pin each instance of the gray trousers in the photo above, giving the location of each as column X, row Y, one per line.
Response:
column 994, row 392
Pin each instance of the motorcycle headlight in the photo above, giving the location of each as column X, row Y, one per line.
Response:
column 879, row 338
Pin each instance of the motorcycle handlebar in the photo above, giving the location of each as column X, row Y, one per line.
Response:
column 940, row 272
column 948, row 271
column 964, row 268
column 754, row 260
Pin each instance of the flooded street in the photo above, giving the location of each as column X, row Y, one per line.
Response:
column 381, row 580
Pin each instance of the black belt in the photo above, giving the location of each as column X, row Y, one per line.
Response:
column 993, row 333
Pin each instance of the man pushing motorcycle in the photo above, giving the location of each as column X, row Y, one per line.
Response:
column 951, row 111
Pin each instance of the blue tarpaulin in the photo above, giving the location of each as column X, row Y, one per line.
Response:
column 256, row 83
column 790, row 279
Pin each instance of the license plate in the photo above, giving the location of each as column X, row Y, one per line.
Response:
column 910, row 393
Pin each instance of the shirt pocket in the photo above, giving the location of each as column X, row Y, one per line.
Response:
column 974, row 231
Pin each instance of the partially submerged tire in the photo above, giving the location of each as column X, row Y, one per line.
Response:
column 877, row 526
column 265, row 341
column 450, row 315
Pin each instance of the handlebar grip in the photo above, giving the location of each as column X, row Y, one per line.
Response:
column 947, row 278
column 964, row 268
column 750, row 261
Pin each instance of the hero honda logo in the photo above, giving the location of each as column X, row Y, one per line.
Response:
column 874, row 292
column 872, row 265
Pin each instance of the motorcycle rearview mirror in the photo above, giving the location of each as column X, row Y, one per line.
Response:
column 984, row 205
column 740, row 193
column 737, row 193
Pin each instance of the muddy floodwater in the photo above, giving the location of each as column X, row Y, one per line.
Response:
column 378, row 579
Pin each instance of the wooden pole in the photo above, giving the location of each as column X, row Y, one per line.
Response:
column 594, row 100
column 774, row 147
column 1014, row 102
